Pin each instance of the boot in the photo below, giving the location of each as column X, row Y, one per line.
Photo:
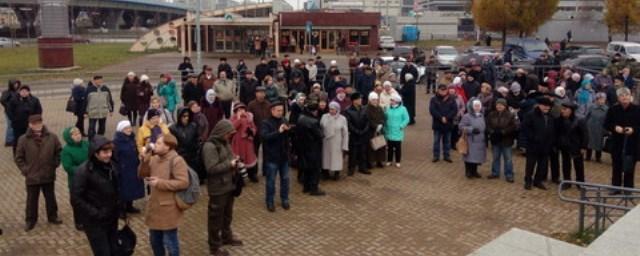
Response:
column 232, row 241
column 336, row 176
column 350, row 172
column 325, row 174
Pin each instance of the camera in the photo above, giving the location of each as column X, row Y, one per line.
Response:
column 242, row 169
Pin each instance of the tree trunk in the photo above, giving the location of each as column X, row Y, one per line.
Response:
column 504, row 37
column 626, row 28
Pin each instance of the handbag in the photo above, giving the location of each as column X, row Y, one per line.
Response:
column 378, row 142
column 125, row 240
column 123, row 110
column 71, row 105
column 461, row 145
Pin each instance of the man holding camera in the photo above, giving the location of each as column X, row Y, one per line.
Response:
column 274, row 133
column 221, row 165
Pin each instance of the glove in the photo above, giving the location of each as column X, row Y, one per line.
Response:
column 379, row 128
column 475, row 131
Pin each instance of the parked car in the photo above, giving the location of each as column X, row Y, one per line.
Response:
column 476, row 52
column 81, row 39
column 387, row 42
column 445, row 55
column 629, row 50
column 397, row 66
column 8, row 43
column 573, row 51
column 526, row 48
column 587, row 63
column 406, row 51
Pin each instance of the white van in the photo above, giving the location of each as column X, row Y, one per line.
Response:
column 629, row 50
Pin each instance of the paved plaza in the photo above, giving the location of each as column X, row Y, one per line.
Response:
column 421, row 209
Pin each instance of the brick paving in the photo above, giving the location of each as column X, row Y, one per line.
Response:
column 420, row 209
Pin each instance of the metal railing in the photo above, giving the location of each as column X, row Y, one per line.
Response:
column 604, row 203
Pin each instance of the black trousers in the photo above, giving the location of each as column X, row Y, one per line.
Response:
column 358, row 157
column 33, row 196
column 311, row 179
column 102, row 238
column 394, row 149
column 540, row 163
column 598, row 154
column 132, row 115
column 619, row 177
column 80, row 124
column 220, row 217
column 554, row 164
column 226, row 108
column 101, row 122
column 470, row 169
column 578, row 165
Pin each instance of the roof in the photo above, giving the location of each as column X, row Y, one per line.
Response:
column 330, row 18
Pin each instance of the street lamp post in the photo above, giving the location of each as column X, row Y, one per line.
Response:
column 198, row 39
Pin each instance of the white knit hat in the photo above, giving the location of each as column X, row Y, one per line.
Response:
column 334, row 63
column 78, row 81
column 296, row 61
column 122, row 125
column 131, row 73
column 144, row 78
column 396, row 97
column 387, row 84
column 457, row 80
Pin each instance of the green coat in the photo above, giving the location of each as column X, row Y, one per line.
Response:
column 73, row 154
column 169, row 92
column 396, row 119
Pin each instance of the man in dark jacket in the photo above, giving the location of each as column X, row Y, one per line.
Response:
column 573, row 138
column 471, row 87
column 185, row 68
column 190, row 90
column 365, row 83
column 408, row 68
column 37, row 157
column 322, row 69
column 623, row 123
column 99, row 105
column 94, row 197
column 540, row 130
column 19, row 110
column 273, row 66
column 186, row 132
column 298, row 84
column 259, row 107
column 7, row 96
column 501, row 127
column 221, row 166
column 358, row 124
column 262, row 70
column 248, row 88
column 224, row 66
column 309, row 132
column 443, row 110
column 275, row 133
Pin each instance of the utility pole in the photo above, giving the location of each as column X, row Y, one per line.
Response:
column 198, row 39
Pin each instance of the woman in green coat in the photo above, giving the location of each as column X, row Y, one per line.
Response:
column 396, row 119
column 168, row 91
column 74, row 153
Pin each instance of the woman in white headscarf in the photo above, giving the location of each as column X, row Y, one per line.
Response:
column 474, row 126
column 336, row 140
column 375, row 114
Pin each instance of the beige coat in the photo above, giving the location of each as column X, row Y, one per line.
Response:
column 335, row 141
column 162, row 210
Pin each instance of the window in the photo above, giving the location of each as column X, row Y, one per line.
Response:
column 359, row 37
column 364, row 38
column 407, row 2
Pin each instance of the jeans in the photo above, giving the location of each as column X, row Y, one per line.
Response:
column 445, row 138
column 162, row 240
column 102, row 238
column 273, row 169
column 505, row 153
column 101, row 126
column 33, row 196
column 9, row 138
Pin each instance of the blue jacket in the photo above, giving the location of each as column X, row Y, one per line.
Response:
column 440, row 107
column 126, row 158
column 365, row 83
column 396, row 119
column 79, row 95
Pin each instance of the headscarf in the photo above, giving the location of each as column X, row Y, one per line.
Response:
column 122, row 125
column 211, row 96
column 334, row 105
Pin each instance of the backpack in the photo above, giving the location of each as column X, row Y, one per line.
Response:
column 189, row 196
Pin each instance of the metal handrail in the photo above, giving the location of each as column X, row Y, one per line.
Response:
column 598, row 197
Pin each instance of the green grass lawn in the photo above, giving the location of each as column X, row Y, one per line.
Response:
column 23, row 61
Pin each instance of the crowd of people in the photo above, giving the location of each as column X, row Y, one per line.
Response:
column 308, row 116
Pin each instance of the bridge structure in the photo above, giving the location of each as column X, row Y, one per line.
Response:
column 113, row 15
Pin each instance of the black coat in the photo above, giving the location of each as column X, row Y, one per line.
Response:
column 309, row 132
column 408, row 93
column 501, row 127
column 79, row 95
column 248, row 90
column 440, row 107
column 471, row 89
column 126, row 156
column 128, row 94
column 191, row 92
column 629, row 117
column 185, row 68
column 358, row 125
column 541, row 135
column 5, row 99
column 227, row 69
column 262, row 70
column 572, row 134
column 408, row 68
column 19, row 111
column 94, row 193
column 275, row 145
column 188, row 137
